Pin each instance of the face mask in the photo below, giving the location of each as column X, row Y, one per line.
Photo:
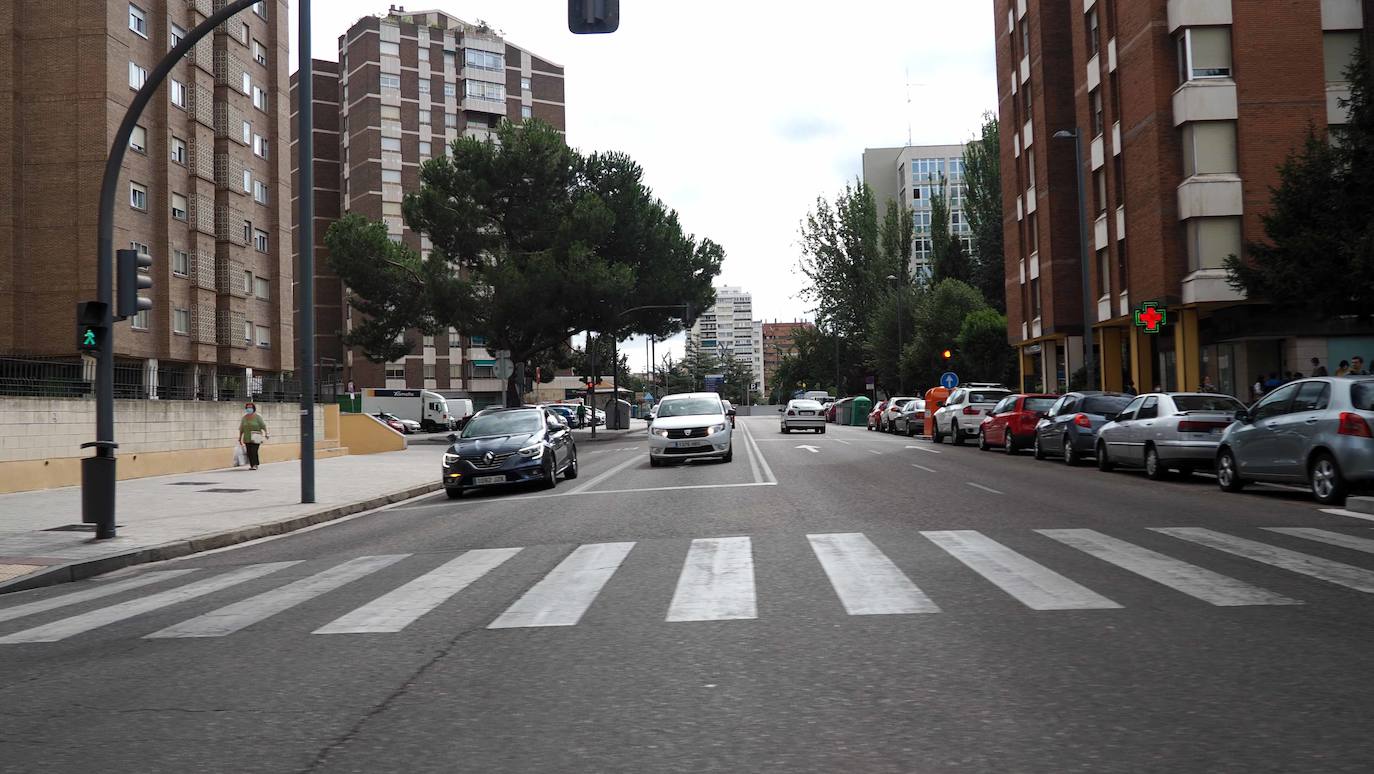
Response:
column 248, row 411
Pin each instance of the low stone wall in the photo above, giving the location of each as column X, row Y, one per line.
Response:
column 40, row 438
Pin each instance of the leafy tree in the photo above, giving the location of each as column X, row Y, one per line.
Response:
column 843, row 259
column 896, row 234
column 887, row 336
column 938, row 321
column 1319, row 254
column 532, row 242
column 983, row 211
column 984, row 354
column 739, row 381
column 946, row 249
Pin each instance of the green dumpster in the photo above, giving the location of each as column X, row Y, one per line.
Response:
column 859, row 410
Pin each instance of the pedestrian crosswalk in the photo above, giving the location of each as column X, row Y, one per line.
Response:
column 717, row 579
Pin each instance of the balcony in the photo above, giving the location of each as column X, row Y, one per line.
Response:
column 1210, row 196
column 1035, row 265
column 1104, row 307
column 1094, row 72
column 1205, row 100
column 1027, row 135
column 1100, row 232
column 1342, row 15
column 1206, row 285
column 1097, row 153
column 482, row 105
column 1198, row 13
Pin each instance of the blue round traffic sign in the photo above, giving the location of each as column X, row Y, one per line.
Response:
column 949, row 380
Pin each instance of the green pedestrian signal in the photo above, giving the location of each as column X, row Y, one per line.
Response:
column 88, row 339
column 90, row 326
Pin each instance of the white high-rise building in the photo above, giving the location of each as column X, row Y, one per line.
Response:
column 729, row 329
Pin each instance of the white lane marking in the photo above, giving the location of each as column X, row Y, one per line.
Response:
column 401, row 607
column 753, row 457
column 717, row 582
column 924, row 449
column 870, row 451
column 1196, row 582
column 605, row 475
column 96, row 592
column 673, row 488
column 984, row 488
column 923, row 467
column 471, row 502
column 1326, row 536
column 768, row 476
column 1031, row 583
column 1293, row 561
column 867, row 582
column 811, row 449
column 60, row 630
column 1344, row 512
column 846, row 443
column 240, row 615
column 562, row 596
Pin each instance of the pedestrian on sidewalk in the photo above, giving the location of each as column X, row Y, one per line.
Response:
column 581, row 415
column 1207, row 385
column 1357, row 366
column 1343, row 368
column 252, row 433
column 1317, row 368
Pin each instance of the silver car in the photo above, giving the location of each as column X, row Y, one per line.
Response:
column 1313, row 431
column 1164, row 431
column 889, row 417
column 963, row 412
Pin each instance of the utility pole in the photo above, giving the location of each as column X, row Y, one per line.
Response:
column 305, row 97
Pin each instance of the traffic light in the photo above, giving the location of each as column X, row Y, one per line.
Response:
column 90, row 326
column 591, row 17
column 129, row 265
column 947, row 354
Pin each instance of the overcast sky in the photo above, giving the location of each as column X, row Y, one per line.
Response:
column 742, row 113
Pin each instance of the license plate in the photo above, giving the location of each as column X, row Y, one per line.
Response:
column 686, row 444
column 484, row 480
column 807, row 413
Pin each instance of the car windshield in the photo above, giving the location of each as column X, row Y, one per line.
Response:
column 1362, row 396
column 1038, row 404
column 1104, row 405
column 503, row 423
column 808, row 405
column 686, row 407
column 899, row 402
column 914, row 405
column 987, row 396
column 1221, row 403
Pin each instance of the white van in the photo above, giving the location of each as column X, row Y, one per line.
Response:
column 427, row 407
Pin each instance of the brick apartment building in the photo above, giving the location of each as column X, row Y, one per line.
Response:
column 779, row 341
column 406, row 86
column 1186, row 108
column 204, row 190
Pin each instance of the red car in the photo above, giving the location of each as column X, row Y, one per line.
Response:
column 875, row 417
column 1011, row 423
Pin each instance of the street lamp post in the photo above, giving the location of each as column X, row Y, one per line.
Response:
column 1089, row 367
column 901, row 380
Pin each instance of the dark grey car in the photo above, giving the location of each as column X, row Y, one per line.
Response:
column 1070, row 427
column 1314, row 431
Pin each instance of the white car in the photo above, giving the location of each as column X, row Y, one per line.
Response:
column 890, row 414
column 803, row 414
column 411, row 425
column 964, row 410
column 690, row 426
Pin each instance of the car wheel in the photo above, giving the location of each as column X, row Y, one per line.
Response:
column 936, row 436
column 786, row 430
column 1104, row 462
column 550, row 475
column 1070, row 454
column 982, row 441
column 1036, row 451
column 910, row 430
column 1008, row 443
column 1154, row 469
column 729, row 453
column 454, row 493
column 821, row 429
column 954, row 435
column 571, row 472
column 1328, row 485
column 1228, row 473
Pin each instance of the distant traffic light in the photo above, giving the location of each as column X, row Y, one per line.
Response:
column 593, row 17
column 947, row 355
column 132, row 279
column 90, row 326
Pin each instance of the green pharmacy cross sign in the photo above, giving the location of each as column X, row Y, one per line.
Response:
column 1150, row 317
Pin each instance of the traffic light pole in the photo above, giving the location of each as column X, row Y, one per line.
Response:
column 98, row 472
column 305, row 101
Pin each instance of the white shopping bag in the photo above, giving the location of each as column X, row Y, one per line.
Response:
column 240, row 456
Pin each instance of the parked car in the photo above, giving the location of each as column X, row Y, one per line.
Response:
column 1164, row 431
column 565, row 412
column 911, row 420
column 501, row 446
column 889, row 415
column 964, row 410
column 876, row 415
column 838, row 410
column 803, row 414
column 1070, row 427
column 398, row 424
column 690, row 425
column 1314, row 432
column 729, row 411
column 1011, row 425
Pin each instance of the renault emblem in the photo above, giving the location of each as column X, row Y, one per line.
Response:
column 488, row 458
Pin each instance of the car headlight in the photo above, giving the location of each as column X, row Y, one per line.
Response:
column 661, row 433
column 720, row 428
column 532, row 452
column 450, row 459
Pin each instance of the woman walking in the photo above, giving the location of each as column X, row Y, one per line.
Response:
column 252, row 433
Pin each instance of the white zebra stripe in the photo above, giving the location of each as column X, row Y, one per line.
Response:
column 562, row 596
column 717, row 582
column 1294, row 561
column 1031, row 583
column 867, row 582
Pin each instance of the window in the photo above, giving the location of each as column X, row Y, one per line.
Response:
column 264, row 337
column 181, row 263
column 259, row 98
column 450, row 119
column 259, row 52
column 248, row 332
column 179, row 94
column 424, row 84
column 138, row 20
column 426, row 149
column 1149, row 409
column 1099, row 122
column 247, row 283
column 450, row 60
column 179, row 206
column 1033, row 231
column 1312, row 396
column 247, row 132
column 455, row 341
column 479, row 341
column 1338, row 52
column 138, row 196
column 395, row 370
column 1204, row 52
column 1210, row 240
column 1209, row 147
column 1119, row 178
column 526, row 111
column 140, row 248
column 391, row 112
column 181, row 321
column 247, row 84
column 426, row 118
column 390, row 49
column 261, row 287
column 1025, row 36
column 391, row 175
column 1093, row 33
column 260, row 240
column 260, row 9
column 1129, row 412
column 139, row 139
column 260, row 146
column 391, row 144
column 259, row 192
column 1104, row 272
column 1100, row 187
column 423, row 53
column 391, row 81
column 429, row 370
column 1030, row 167
column 140, row 320
column 450, row 90
column 137, row 76
column 176, row 34
column 247, row 231
column 247, row 181
column 1275, row 403
column 1035, row 297
column 524, row 84
column 495, row 92
column 178, row 151
column 484, row 60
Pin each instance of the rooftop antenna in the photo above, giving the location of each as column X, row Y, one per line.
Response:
column 909, row 84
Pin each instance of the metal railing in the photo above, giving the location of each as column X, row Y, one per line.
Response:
column 73, row 377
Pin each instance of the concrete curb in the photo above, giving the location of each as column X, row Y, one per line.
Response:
column 86, row 568
column 1363, row 505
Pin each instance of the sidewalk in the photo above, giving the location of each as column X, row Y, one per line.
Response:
column 42, row 540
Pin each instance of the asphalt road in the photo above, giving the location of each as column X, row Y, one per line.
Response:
column 848, row 602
